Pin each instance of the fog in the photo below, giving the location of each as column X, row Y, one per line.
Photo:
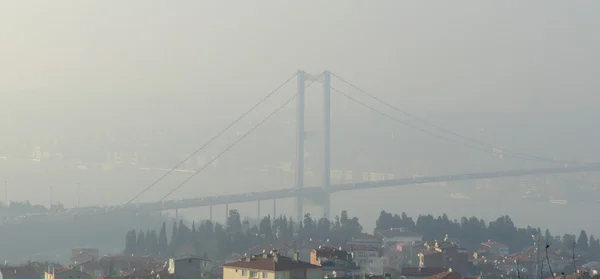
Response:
column 87, row 79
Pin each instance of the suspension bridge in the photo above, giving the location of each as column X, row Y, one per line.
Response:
column 321, row 195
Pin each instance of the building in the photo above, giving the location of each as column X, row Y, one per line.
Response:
column 271, row 265
column 394, row 236
column 495, row 248
column 190, row 267
column 94, row 268
column 335, row 262
column 446, row 275
column 84, row 255
column 67, row 274
column 422, row 272
column 124, row 262
column 307, row 247
column 364, row 239
column 368, row 258
column 20, row 272
column 444, row 254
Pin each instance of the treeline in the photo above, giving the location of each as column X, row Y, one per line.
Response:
column 217, row 241
column 473, row 231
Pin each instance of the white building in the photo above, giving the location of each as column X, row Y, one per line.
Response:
column 368, row 258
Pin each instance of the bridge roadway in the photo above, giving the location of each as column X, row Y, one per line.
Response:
column 315, row 191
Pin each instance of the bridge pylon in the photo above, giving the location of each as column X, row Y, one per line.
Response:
column 300, row 140
column 326, row 143
column 300, row 143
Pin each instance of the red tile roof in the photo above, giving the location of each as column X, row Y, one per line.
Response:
column 270, row 262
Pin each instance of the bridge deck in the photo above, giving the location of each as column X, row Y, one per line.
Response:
column 290, row 193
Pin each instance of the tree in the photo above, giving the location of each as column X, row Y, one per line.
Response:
column 130, row 242
column 582, row 241
column 163, row 243
column 547, row 235
column 309, row 228
column 593, row 242
column 349, row 227
column 141, row 243
column 264, row 228
column 234, row 223
column 152, row 241
column 174, row 244
column 568, row 242
column 323, row 228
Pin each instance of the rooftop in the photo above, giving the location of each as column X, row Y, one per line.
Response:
column 20, row 271
column 493, row 244
column 365, row 237
column 397, row 232
column 359, row 247
column 270, row 262
column 332, row 253
column 423, row 271
column 185, row 258
column 445, row 275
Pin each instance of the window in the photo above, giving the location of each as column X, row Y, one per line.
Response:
column 253, row 274
column 265, row 275
column 280, row 276
column 244, row 272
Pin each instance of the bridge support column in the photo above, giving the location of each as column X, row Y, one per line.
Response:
column 274, row 208
column 258, row 210
column 176, row 214
column 300, row 144
column 226, row 212
column 210, row 213
column 326, row 141
column 327, row 206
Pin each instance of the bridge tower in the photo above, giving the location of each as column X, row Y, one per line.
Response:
column 326, row 143
column 300, row 140
column 300, row 144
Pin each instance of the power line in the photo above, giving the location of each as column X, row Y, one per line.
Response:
column 419, row 128
column 212, row 139
column 236, row 142
column 488, row 145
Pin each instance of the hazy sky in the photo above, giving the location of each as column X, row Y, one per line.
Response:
column 218, row 55
column 214, row 58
